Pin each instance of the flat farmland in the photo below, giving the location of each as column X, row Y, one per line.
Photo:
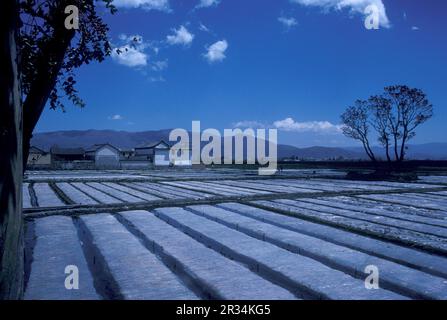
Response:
column 230, row 234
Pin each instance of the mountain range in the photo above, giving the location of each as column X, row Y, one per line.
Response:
column 127, row 140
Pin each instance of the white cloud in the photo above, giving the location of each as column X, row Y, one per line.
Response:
column 156, row 49
column 130, row 56
column 216, row 51
column 207, row 3
column 131, row 51
column 160, row 65
column 161, row 5
column 203, row 28
column 116, row 117
column 133, row 39
column 288, row 22
column 289, row 124
column 414, row 28
column 181, row 36
column 157, row 79
column 355, row 6
column 252, row 124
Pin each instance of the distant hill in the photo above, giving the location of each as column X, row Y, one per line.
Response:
column 87, row 138
column 124, row 139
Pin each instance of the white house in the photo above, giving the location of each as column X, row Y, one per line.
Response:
column 157, row 153
column 105, row 156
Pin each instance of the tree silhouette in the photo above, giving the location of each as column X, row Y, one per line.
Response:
column 40, row 55
column 50, row 53
column 11, row 223
column 357, row 126
column 392, row 118
column 409, row 108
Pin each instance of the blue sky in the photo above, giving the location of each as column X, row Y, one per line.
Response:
column 291, row 64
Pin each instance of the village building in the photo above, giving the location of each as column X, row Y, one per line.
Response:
column 67, row 154
column 136, row 162
column 157, row 153
column 68, row 158
column 105, row 156
column 126, row 153
column 38, row 158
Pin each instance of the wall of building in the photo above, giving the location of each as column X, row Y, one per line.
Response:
column 107, row 158
column 131, row 165
column 37, row 159
column 161, row 157
column 73, row 165
column 144, row 152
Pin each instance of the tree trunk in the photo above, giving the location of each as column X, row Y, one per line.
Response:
column 47, row 71
column 387, row 148
column 396, row 146
column 402, row 147
column 368, row 151
column 11, row 221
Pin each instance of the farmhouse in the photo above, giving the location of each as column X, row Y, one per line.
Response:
column 38, row 158
column 157, row 153
column 105, row 156
column 135, row 163
column 66, row 154
column 126, row 153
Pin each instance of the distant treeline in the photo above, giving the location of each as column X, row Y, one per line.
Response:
column 411, row 165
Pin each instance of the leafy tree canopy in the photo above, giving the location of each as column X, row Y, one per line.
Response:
column 43, row 27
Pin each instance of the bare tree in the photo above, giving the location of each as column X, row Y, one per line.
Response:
column 380, row 109
column 357, row 125
column 409, row 109
column 392, row 117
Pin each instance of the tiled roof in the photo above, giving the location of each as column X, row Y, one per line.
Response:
column 67, row 151
column 152, row 145
column 95, row 147
column 33, row 149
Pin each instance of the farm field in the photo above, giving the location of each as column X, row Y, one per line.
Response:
column 230, row 234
